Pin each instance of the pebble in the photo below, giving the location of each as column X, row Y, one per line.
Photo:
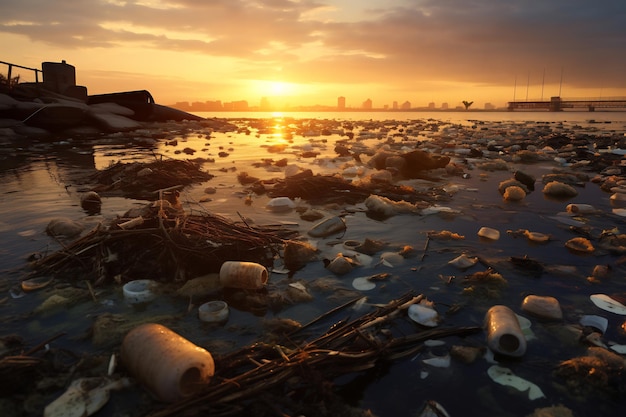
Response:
column 542, row 307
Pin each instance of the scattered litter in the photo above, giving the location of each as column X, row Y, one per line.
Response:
column 504, row 376
column 489, row 233
column 433, row 409
column 424, row 314
column 606, row 303
column 280, row 204
column 463, row 261
column 597, row 322
column 328, row 227
column 363, row 284
column 438, row 361
column 580, row 245
column 84, row 397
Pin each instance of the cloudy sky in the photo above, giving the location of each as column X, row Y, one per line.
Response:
column 312, row 51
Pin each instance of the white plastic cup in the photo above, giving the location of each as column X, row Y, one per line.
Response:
column 139, row 291
column 504, row 334
column 244, row 275
column 168, row 365
column 215, row 312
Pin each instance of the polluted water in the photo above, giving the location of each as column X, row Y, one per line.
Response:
column 502, row 241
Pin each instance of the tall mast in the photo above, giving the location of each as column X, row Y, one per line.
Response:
column 543, row 79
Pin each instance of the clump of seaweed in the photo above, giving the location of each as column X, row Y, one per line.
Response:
column 484, row 284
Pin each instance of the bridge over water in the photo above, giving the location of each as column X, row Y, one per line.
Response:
column 558, row 104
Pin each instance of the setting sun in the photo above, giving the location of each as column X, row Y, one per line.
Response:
column 280, row 88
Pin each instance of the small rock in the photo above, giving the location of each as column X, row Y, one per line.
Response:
column 542, row 307
column 559, row 189
column 64, row 227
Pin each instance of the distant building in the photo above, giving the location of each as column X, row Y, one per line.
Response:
column 182, row 105
column 367, row 104
column 214, row 105
column 406, row 105
column 395, row 105
column 341, row 103
column 240, row 105
column 444, row 106
column 265, row 104
column 489, row 106
column 431, row 106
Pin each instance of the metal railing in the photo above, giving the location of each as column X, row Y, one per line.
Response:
column 10, row 71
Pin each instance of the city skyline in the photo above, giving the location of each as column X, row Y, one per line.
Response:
column 309, row 52
column 266, row 105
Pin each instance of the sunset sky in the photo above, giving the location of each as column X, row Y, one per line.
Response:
column 306, row 52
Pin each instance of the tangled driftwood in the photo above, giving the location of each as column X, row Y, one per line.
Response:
column 297, row 373
column 166, row 245
column 143, row 180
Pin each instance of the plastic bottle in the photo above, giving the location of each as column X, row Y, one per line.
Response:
column 504, row 334
column 170, row 366
column 246, row 275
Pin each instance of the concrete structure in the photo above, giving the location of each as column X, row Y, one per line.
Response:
column 558, row 104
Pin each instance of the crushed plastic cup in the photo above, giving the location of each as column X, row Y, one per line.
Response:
column 139, row 291
column 215, row 312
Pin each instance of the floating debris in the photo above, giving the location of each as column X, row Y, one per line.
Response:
column 341, row 265
column 514, row 193
column 607, row 303
column 215, row 312
column 597, row 322
column 559, row 190
column 489, row 233
column 580, row 208
column 537, row 237
column 445, row 235
column 280, row 204
column 363, row 284
column 383, row 207
column 84, row 397
column 580, row 245
column 36, row 283
column 244, row 275
column 504, row 376
column 433, row 409
column 424, row 314
column 504, row 333
column 599, row 374
column 391, row 259
column 542, row 307
column 297, row 254
column 463, row 261
column 327, row 227
column 438, row 361
column 140, row 291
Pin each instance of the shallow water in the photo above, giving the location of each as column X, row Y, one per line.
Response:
column 44, row 180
